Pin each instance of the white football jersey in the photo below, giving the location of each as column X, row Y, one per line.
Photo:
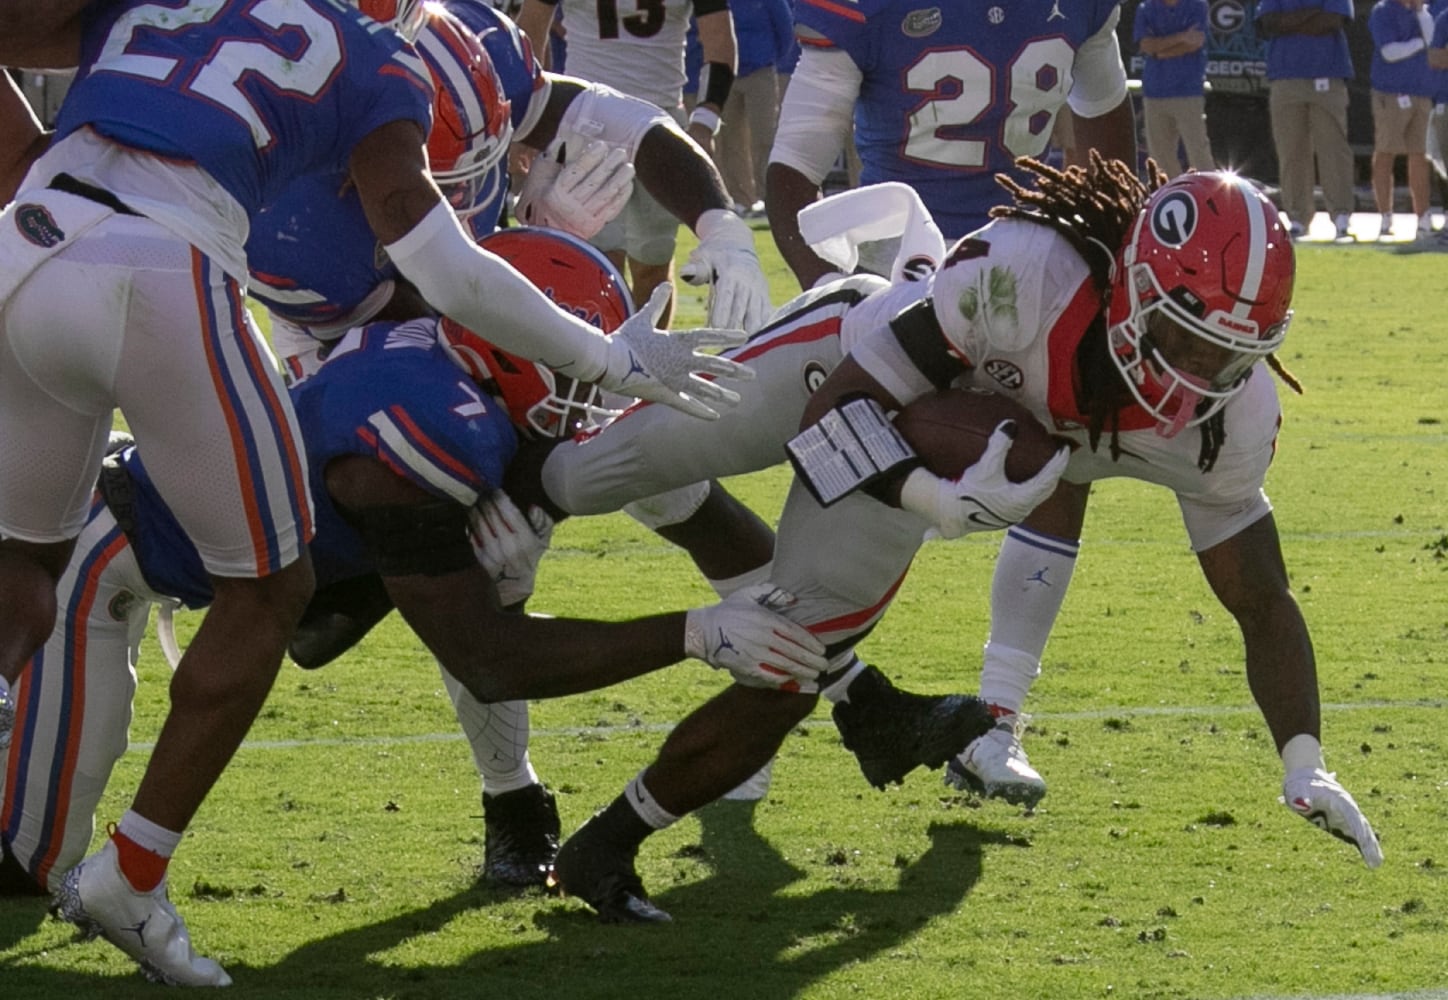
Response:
column 1014, row 301
column 636, row 46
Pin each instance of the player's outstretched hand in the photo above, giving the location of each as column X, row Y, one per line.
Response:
column 509, row 544
column 725, row 260
column 664, row 367
column 1316, row 796
column 746, row 635
column 982, row 498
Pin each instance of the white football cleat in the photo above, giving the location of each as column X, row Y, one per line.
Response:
column 96, row 897
column 995, row 766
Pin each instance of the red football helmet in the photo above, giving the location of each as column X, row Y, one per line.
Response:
column 403, row 16
column 1202, row 292
column 577, row 278
column 472, row 123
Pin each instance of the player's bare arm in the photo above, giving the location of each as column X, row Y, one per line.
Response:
column 40, row 35
column 720, row 54
column 1248, row 575
column 1113, row 135
column 535, row 20
column 22, row 139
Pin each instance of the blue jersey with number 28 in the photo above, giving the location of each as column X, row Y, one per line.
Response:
column 953, row 93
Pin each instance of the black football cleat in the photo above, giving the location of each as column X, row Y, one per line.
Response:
column 601, row 873
column 891, row 732
column 520, row 836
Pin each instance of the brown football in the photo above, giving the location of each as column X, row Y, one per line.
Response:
column 949, row 430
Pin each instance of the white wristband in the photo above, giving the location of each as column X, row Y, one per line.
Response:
column 1302, row 752
column 703, row 116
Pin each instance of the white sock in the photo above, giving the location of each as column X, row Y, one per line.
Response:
column 497, row 734
column 1032, row 573
column 838, row 691
column 143, row 833
column 646, row 805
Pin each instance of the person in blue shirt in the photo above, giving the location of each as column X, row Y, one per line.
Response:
column 1172, row 35
column 1403, row 88
column 173, row 136
column 1308, row 69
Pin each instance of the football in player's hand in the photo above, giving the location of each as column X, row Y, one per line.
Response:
column 949, row 430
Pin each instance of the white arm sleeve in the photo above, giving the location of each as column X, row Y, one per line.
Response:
column 1398, row 51
column 602, row 113
column 487, row 295
column 817, row 113
column 1099, row 83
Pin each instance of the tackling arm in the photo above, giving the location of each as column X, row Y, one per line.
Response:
column 423, row 554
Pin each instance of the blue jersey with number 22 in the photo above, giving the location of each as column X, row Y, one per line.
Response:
column 255, row 92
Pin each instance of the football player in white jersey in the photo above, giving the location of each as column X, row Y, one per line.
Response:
column 640, row 51
column 1172, row 383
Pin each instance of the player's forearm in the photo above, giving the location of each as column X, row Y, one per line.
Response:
column 40, row 35
column 677, row 173
column 788, row 192
column 485, row 293
column 1113, row 135
column 501, row 656
column 22, row 139
column 1282, row 671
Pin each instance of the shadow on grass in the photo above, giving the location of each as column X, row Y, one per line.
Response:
column 740, row 930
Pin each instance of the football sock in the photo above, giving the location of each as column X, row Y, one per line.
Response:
column 645, row 806
column 835, row 685
column 497, row 734
column 144, row 850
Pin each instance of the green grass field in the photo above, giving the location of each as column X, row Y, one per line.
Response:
column 338, row 856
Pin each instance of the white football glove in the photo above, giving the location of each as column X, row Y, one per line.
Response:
column 982, row 498
column 663, row 367
column 745, row 635
column 1315, row 795
column 578, row 197
column 509, row 545
column 726, row 261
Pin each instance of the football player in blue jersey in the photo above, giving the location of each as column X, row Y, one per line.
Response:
column 405, row 438
column 319, row 270
column 491, row 92
column 941, row 99
column 122, row 288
